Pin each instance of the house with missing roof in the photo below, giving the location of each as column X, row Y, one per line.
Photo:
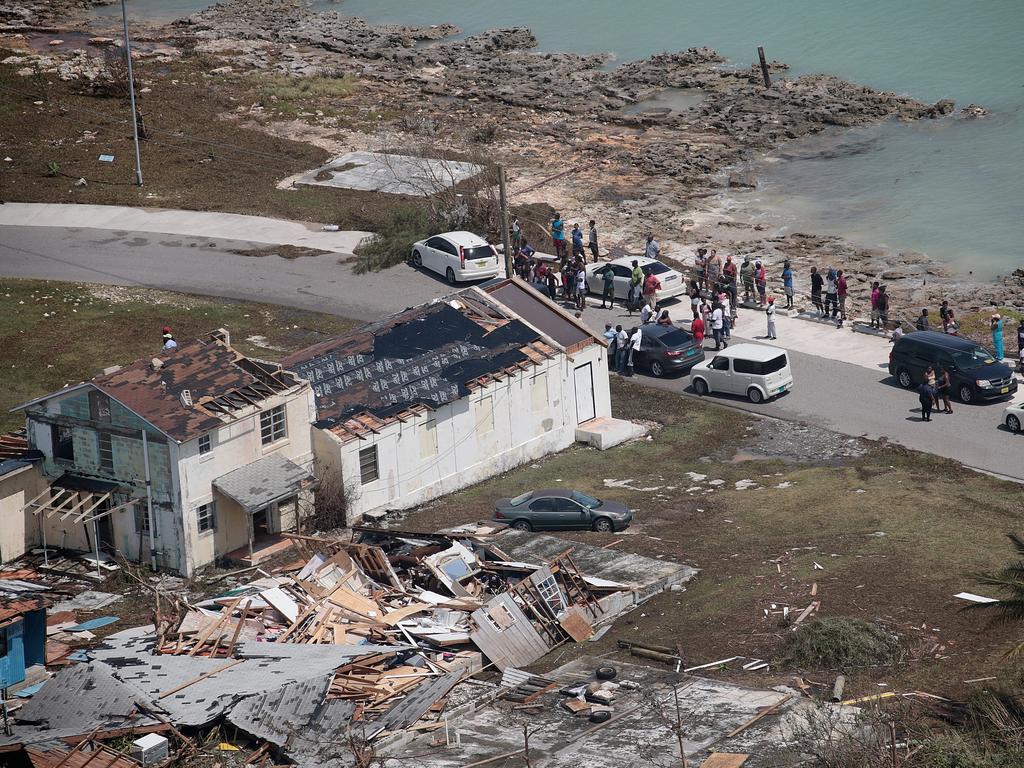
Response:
column 448, row 393
column 172, row 461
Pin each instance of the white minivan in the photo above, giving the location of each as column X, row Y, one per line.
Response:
column 458, row 256
column 755, row 371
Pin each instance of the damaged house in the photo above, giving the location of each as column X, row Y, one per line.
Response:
column 446, row 394
column 175, row 461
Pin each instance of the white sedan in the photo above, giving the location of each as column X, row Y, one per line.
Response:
column 459, row 256
column 672, row 282
column 1013, row 417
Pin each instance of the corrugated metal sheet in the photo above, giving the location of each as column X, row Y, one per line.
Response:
column 264, row 481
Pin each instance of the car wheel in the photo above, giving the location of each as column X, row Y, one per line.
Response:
column 903, row 377
column 603, row 525
column 600, row 716
column 605, row 673
column 966, row 394
column 417, row 259
column 657, row 369
column 700, row 387
column 754, row 395
column 450, row 275
column 522, row 525
column 1013, row 423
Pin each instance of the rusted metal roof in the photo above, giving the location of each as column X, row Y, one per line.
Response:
column 421, row 358
column 10, row 609
column 84, row 755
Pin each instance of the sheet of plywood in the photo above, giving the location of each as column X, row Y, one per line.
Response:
column 724, row 760
column 576, row 625
column 364, row 606
column 393, row 617
column 281, row 602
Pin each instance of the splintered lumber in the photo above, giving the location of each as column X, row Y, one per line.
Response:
column 763, row 713
column 837, row 689
column 665, row 657
column 806, row 612
column 195, row 680
column 393, row 617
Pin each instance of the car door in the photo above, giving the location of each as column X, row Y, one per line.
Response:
column 569, row 515
column 744, row 373
column 542, row 514
column 719, row 375
column 434, row 255
column 622, row 278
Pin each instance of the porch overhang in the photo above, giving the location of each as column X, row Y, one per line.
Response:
column 78, row 497
column 264, row 482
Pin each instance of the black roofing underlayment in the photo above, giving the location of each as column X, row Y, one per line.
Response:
column 424, row 360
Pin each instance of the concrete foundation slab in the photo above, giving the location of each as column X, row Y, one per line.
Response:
column 395, row 174
column 606, row 432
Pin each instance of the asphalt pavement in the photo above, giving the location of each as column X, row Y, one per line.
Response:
column 853, row 398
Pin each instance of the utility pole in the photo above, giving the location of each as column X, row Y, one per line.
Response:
column 506, row 244
column 131, row 93
column 764, row 66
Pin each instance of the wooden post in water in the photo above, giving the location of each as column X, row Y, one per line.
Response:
column 764, row 67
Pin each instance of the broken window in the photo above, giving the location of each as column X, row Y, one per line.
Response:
column 63, row 443
column 105, row 449
column 142, row 520
column 552, row 595
column 99, row 406
column 205, row 444
column 206, row 517
column 368, row 469
column 500, row 617
column 272, row 425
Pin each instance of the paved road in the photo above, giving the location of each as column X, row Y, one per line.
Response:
column 852, row 399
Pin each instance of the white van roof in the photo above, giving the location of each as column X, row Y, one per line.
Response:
column 760, row 353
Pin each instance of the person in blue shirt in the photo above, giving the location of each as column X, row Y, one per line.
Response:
column 558, row 236
column 577, row 242
column 787, row 284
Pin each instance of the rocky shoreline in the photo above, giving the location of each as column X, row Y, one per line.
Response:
column 577, row 134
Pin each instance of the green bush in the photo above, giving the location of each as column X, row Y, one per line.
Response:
column 840, row 643
column 402, row 227
column 949, row 750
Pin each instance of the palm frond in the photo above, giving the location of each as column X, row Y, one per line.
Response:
column 1018, row 543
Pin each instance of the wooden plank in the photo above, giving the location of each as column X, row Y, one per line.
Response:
column 763, row 713
column 577, row 627
column 201, row 677
column 724, row 760
column 393, row 617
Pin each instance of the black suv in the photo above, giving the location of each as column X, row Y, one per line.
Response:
column 973, row 372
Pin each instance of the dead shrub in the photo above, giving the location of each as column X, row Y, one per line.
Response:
column 331, row 502
column 841, row 643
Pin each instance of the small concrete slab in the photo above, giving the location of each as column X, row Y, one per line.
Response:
column 394, row 174
column 605, row 432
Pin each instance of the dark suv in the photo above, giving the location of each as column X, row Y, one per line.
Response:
column 973, row 372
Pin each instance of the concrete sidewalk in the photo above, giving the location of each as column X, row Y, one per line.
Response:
column 223, row 226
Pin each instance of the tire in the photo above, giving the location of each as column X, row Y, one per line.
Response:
column 1013, row 423
column 903, row 377
column 603, row 525
column 417, row 260
column 754, row 395
column 522, row 525
column 601, row 716
column 657, row 369
column 700, row 387
column 965, row 393
column 450, row 275
column 605, row 673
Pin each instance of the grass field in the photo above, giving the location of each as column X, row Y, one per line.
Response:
column 53, row 334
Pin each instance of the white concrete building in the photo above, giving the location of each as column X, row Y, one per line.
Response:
column 446, row 394
column 180, row 459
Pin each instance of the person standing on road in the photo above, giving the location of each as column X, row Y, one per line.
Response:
column 558, row 236
column 761, row 281
column 942, row 387
column 651, row 287
column 652, row 250
column 841, row 291
column 729, row 280
column 816, row 285
column 831, row 293
column 694, row 298
column 621, row 349
column 608, row 292
column 874, row 306
column 515, row 234
column 770, row 314
column 747, row 277
column 717, row 321
column 577, row 242
column 930, row 379
column 714, row 268
column 636, row 281
column 997, row 335
column 634, row 347
column 610, row 336
column 925, row 396
column 922, row 323
column 883, row 307
column 592, row 240
column 787, row 283
column 581, row 289
column 697, row 330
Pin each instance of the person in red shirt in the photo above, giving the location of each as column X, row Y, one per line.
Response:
column 842, row 290
column 651, row 287
column 697, row 329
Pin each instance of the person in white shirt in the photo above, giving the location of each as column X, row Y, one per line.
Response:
column 634, row 346
column 645, row 314
column 621, row 349
column 770, row 314
column 581, row 289
column 717, row 322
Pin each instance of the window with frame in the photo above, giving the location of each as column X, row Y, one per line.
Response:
column 368, row 468
column 63, row 440
column 205, row 444
column 105, row 450
column 272, row 425
column 206, row 517
column 99, row 405
column 142, row 520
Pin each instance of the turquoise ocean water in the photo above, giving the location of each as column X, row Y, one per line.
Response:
column 951, row 188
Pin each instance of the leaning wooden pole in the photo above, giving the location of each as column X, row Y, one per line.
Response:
column 764, row 67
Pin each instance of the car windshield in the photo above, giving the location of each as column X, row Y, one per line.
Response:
column 478, row 252
column 967, row 359
column 521, row 498
column 657, row 267
column 676, row 338
column 587, row 501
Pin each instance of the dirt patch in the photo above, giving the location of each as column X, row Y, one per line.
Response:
column 284, row 251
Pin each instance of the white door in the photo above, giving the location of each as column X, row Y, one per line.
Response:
column 584, row 377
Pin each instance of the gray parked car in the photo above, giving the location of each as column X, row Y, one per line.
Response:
column 562, row 509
